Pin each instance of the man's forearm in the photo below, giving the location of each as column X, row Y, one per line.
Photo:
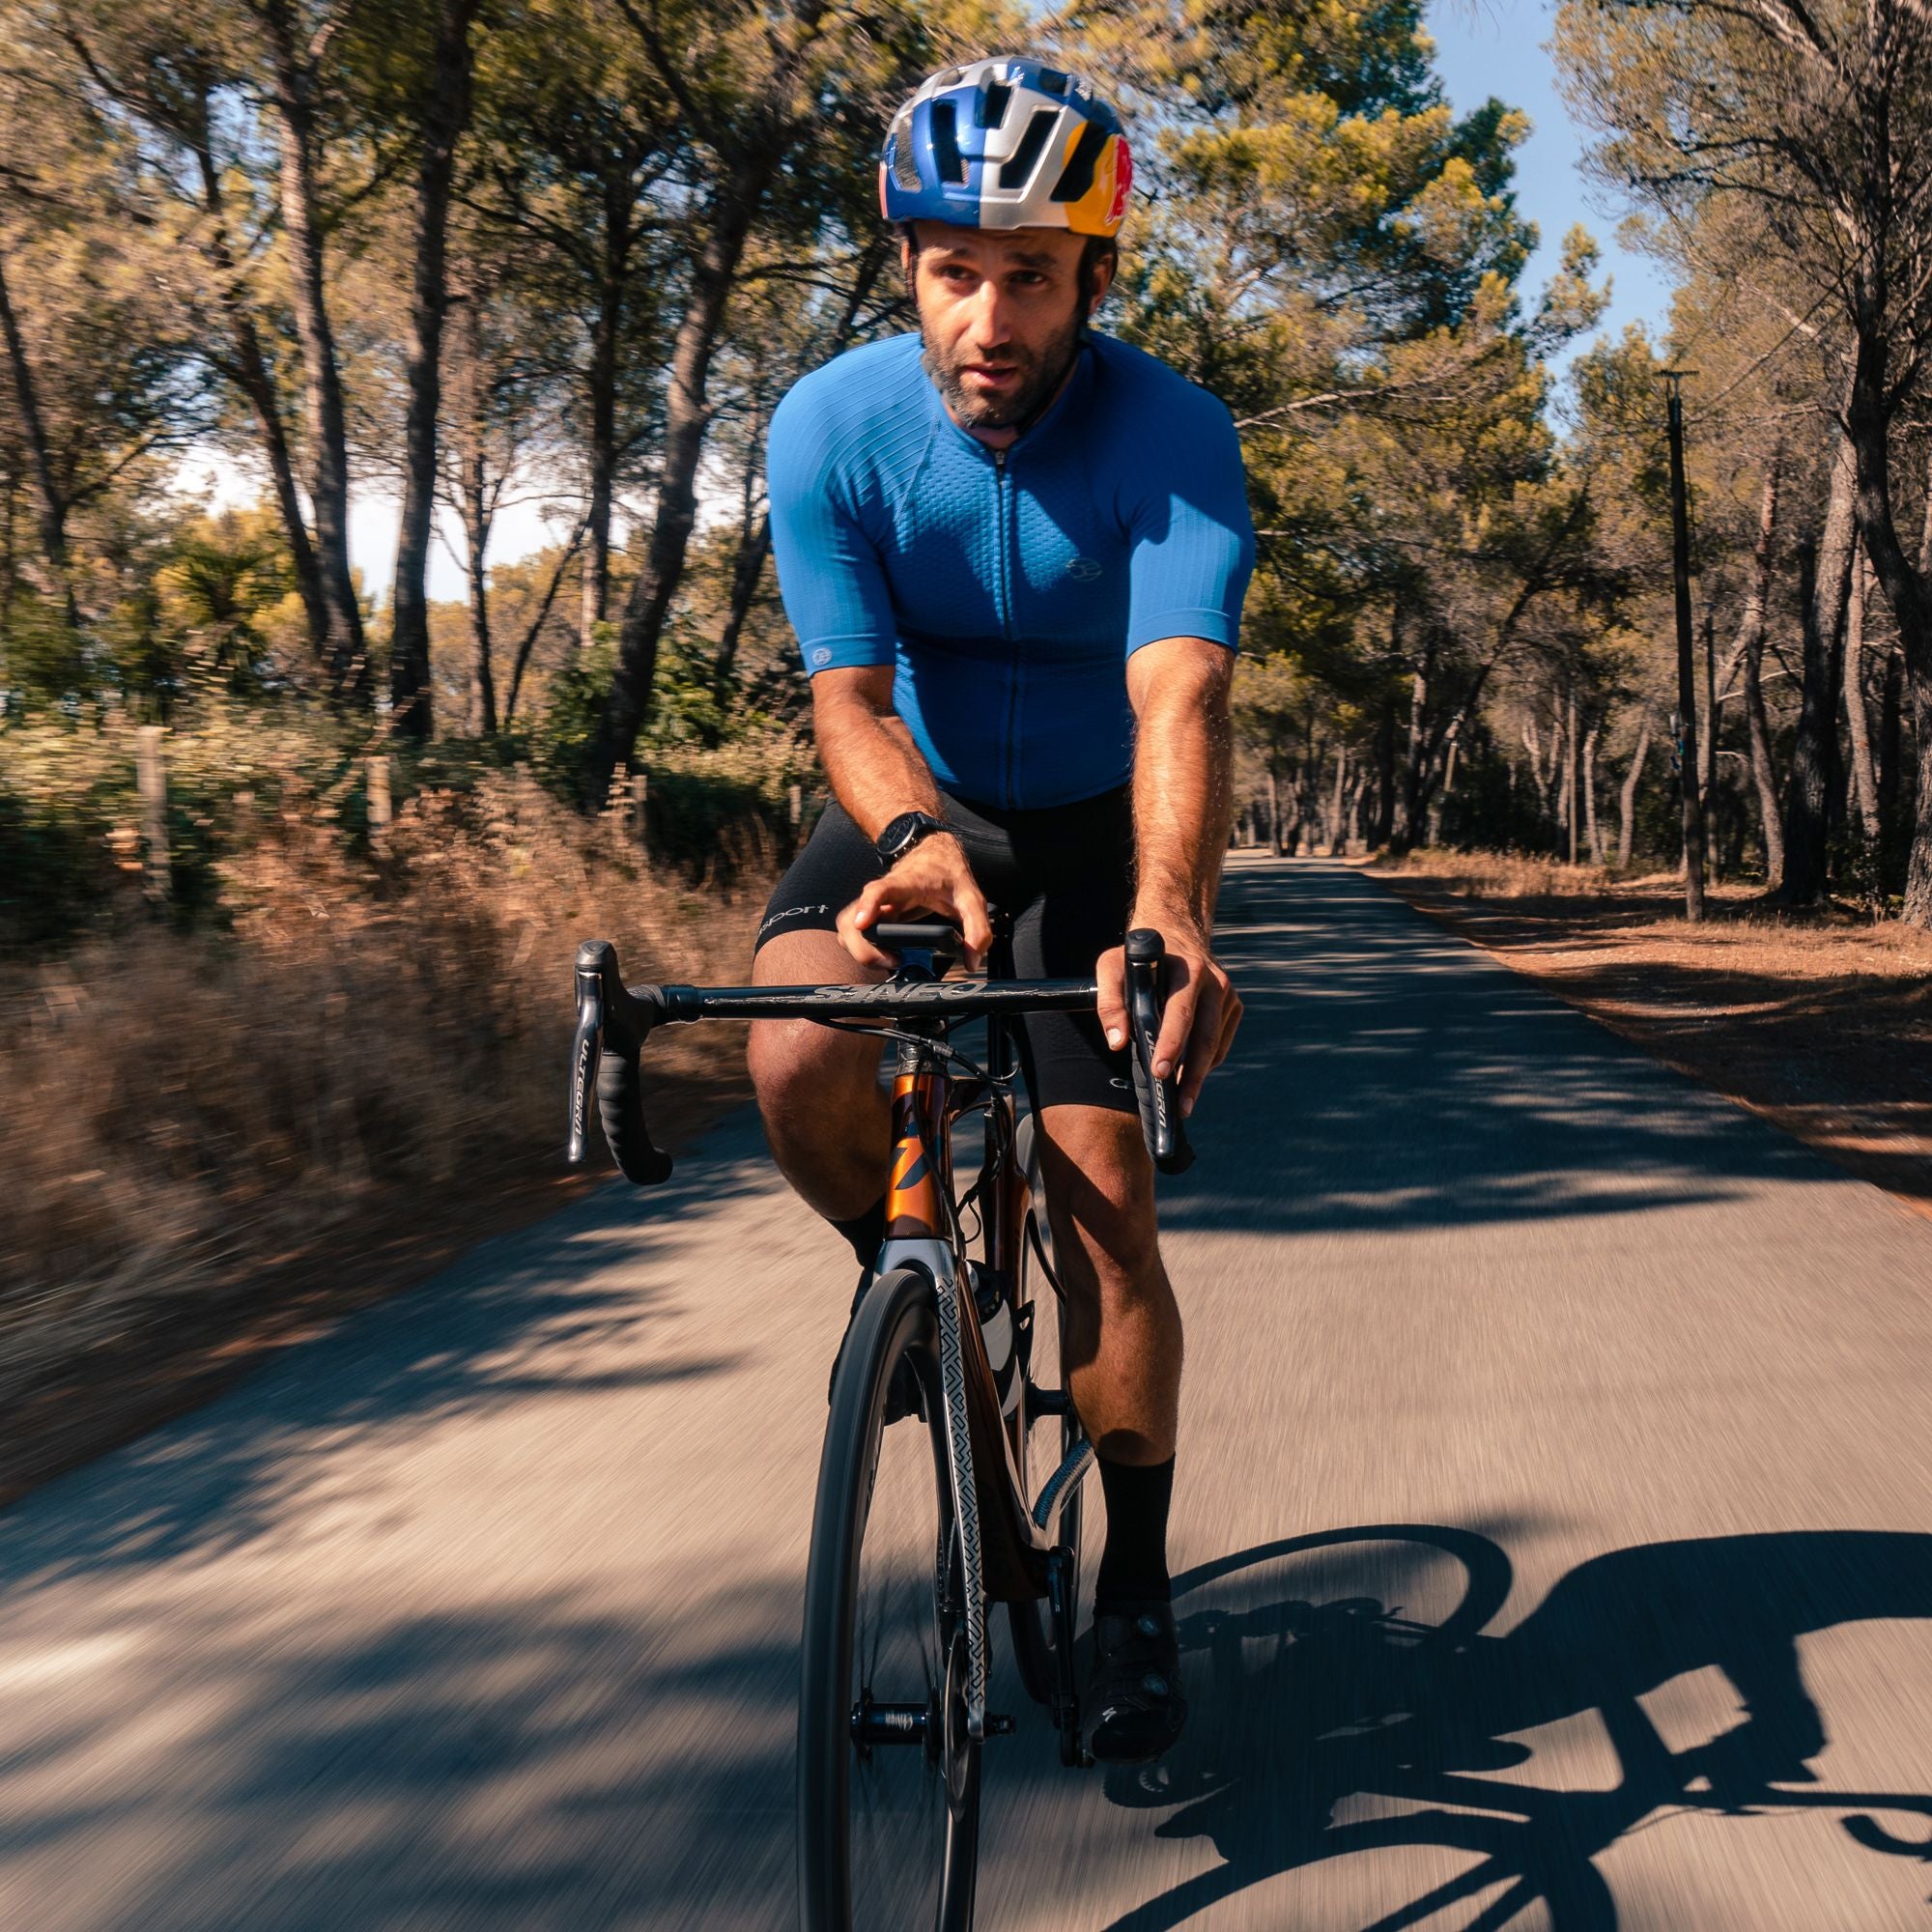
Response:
column 1183, row 784
column 874, row 768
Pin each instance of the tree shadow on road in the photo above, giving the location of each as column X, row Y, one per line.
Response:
column 577, row 1303
column 1350, row 1702
column 1388, row 1076
column 539, row 1763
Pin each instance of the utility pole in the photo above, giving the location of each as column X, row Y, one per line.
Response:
column 1686, row 664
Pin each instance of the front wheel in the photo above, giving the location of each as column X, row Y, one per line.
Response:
column 888, row 1778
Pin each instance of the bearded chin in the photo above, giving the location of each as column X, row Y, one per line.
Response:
column 973, row 411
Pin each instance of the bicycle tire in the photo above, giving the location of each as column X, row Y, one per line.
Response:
column 845, row 1788
column 1041, row 1447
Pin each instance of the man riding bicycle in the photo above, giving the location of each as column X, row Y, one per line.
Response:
column 1014, row 553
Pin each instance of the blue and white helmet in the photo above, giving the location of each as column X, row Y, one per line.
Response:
column 1007, row 143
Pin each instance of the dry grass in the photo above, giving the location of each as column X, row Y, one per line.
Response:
column 370, row 1044
column 1821, row 1022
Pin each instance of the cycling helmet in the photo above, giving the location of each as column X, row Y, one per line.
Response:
column 1007, row 143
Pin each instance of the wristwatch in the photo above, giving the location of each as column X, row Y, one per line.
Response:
column 903, row 834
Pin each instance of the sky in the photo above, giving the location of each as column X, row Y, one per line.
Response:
column 1483, row 47
column 1495, row 46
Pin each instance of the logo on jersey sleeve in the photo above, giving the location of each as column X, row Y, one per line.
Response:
column 1083, row 569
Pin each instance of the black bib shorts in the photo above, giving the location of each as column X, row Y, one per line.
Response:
column 1064, row 874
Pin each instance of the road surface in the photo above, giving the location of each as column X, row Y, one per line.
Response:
column 480, row 1612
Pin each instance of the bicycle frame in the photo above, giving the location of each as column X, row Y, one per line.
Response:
column 1007, row 1546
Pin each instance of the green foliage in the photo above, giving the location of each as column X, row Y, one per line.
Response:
column 561, row 745
column 51, row 872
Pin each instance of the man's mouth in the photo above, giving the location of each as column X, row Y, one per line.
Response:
column 993, row 375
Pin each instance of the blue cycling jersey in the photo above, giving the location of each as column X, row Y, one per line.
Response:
column 1009, row 589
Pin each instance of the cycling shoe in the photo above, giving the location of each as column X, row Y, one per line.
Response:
column 1134, row 1693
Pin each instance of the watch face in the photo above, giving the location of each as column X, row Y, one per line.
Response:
column 903, row 833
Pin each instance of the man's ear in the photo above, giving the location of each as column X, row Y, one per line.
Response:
column 1101, row 279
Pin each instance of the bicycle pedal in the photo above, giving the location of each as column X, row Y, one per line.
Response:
column 1048, row 1401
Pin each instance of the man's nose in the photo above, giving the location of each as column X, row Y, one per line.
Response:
column 992, row 315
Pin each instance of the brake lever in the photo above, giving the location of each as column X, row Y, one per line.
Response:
column 1161, row 1124
column 584, row 1053
column 612, row 1024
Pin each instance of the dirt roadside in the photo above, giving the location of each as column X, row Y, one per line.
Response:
column 1822, row 1025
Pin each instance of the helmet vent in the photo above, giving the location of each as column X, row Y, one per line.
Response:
column 1017, row 170
column 993, row 104
column 1078, row 179
column 1050, row 80
column 946, row 142
column 904, row 163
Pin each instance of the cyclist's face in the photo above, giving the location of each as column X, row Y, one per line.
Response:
column 1001, row 314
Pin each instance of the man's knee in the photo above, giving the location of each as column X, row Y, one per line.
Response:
column 1099, row 1190
column 805, row 1072
column 798, row 1068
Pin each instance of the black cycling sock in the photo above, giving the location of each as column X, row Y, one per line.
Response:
column 866, row 1231
column 1133, row 1567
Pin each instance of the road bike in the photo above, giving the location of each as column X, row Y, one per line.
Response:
column 948, row 1482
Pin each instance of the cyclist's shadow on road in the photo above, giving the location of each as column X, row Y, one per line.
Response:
column 1351, row 1665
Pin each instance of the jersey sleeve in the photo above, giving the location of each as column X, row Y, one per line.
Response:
column 1193, row 540
column 830, row 575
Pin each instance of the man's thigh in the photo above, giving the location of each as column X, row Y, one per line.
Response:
column 797, row 947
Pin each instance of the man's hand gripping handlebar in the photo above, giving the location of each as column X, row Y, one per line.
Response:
column 614, row 1021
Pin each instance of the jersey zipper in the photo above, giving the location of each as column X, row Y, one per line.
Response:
column 1000, row 511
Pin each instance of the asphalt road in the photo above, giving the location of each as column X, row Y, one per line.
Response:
column 481, row 1612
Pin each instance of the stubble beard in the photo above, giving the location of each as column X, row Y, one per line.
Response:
column 1041, row 375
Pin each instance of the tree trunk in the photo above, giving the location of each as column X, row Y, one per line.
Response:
column 1573, row 771
column 536, row 624
column 746, row 574
column 476, row 500
column 1592, row 827
column 1381, row 825
column 1627, row 797
column 1335, row 823
column 1439, row 796
column 1409, row 808
column 1824, row 568
column 1907, row 586
column 445, row 114
column 601, row 385
column 1857, row 718
column 50, row 502
column 253, row 377
column 1758, row 725
column 482, row 675
column 686, row 418
column 1707, row 738
column 1274, row 812
column 323, row 415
